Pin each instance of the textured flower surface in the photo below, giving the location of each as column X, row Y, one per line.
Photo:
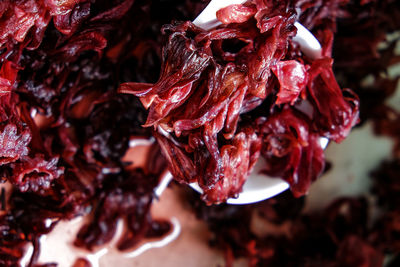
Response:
column 211, row 102
column 13, row 146
column 64, row 129
column 35, row 173
column 215, row 84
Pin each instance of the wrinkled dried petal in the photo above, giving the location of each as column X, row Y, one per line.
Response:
column 60, row 65
column 34, row 174
column 126, row 196
column 291, row 151
column 237, row 159
column 210, row 79
column 184, row 62
column 236, row 13
column 8, row 74
column 13, row 145
column 335, row 114
column 293, row 79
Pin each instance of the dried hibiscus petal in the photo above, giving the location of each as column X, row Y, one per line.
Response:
column 12, row 144
column 27, row 20
column 15, row 136
column 125, row 197
column 211, row 80
column 34, row 174
column 293, row 79
column 351, row 231
column 8, row 75
column 68, row 72
column 237, row 161
column 335, row 111
column 63, row 128
column 185, row 61
column 236, row 13
column 71, row 16
column 291, row 150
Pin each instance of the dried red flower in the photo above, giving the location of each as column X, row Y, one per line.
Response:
column 206, row 89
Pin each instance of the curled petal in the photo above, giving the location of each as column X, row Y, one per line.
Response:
column 8, row 74
column 335, row 111
column 293, row 79
column 13, row 144
column 236, row 13
column 237, row 159
column 291, row 151
column 34, row 174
